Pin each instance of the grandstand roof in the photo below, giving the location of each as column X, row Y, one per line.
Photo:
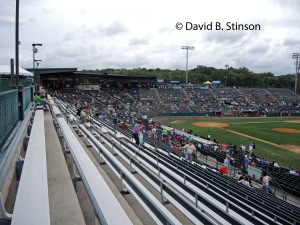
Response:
column 74, row 71
column 53, row 70
column 114, row 75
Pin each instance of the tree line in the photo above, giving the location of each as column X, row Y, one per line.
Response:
column 230, row 77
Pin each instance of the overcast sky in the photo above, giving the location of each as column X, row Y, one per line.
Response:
column 95, row 34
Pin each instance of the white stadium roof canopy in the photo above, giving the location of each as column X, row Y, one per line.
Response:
column 5, row 70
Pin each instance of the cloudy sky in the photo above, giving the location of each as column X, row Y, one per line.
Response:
column 97, row 34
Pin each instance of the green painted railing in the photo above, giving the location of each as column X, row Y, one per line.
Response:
column 9, row 114
column 6, row 84
column 27, row 97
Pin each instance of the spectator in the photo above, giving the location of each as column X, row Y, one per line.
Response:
column 243, row 147
column 245, row 181
column 252, row 163
column 227, row 161
column 263, row 161
column 145, row 133
column 38, row 100
column 238, row 175
column 189, row 150
column 250, row 148
column 165, row 132
column 78, row 111
column 265, row 182
column 276, row 165
column 159, row 133
column 136, row 131
column 293, row 172
column 224, row 171
column 141, row 138
column 124, row 126
column 249, row 179
column 115, row 121
column 246, row 160
column 83, row 115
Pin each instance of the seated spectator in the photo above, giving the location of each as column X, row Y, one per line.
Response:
column 145, row 133
column 249, row 179
column 293, row 172
column 115, row 120
column 252, row 163
column 263, row 161
column 178, row 148
column 78, row 112
column 83, row 115
column 38, row 100
column 238, row 175
column 224, row 171
column 245, row 181
column 124, row 126
column 246, row 160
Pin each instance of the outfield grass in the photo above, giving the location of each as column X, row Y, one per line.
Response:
column 261, row 128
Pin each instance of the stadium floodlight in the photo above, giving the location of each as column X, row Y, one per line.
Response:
column 296, row 57
column 34, row 51
column 187, row 48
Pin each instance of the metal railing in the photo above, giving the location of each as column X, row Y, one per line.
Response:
column 9, row 115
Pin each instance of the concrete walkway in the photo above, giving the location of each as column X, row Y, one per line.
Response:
column 63, row 202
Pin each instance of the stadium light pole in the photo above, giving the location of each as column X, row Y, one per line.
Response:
column 296, row 57
column 226, row 66
column 17, row 42
column 37, row 63
column 187, row 48
column 34, row 51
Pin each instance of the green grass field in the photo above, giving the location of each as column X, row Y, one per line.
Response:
column 261, row 128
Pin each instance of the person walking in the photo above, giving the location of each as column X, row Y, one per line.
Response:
column 136, row 131
column 189, row 150
column 265, row 182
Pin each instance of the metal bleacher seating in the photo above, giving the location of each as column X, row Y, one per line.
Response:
column 232, row 202
column 263, row 207
column 102, row 198
column 32, row 201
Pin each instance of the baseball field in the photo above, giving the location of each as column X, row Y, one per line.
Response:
column 276, row 139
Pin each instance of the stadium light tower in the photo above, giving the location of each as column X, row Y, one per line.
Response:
column 226, row 75
column 17, row 41
column 34, row 51
column 296, row 57
column 187, row 59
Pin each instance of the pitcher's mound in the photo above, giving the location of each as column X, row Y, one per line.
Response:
column 211, row 124
column 286, row 130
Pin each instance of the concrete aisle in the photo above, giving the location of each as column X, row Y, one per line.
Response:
column 63, row 201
